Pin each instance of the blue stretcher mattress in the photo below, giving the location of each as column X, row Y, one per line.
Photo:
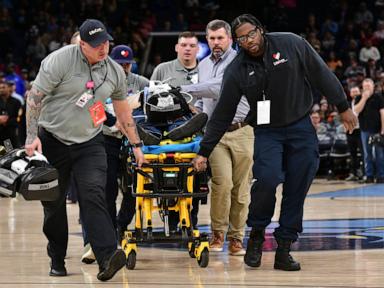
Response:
column 191, row 147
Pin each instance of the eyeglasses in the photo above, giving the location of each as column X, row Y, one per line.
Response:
column 251, row 34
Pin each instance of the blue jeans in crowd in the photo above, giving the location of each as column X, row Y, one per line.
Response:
column 373, row 157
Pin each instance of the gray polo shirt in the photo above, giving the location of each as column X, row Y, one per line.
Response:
column 62, row 78
column 176, row 71
column 136, row 83
column 208, row 89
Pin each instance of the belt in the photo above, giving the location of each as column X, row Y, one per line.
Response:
column 235, row 126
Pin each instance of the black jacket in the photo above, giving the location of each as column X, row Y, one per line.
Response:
column 285, row 74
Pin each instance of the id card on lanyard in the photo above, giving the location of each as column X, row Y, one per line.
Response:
column 263, row 111
column 96, row 110
column 86, row 96
column 97, row 113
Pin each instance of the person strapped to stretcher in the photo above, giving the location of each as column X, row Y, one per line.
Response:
column 168, row 114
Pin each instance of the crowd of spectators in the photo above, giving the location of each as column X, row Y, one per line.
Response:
column 350, row 30
column 30, row 30
column 349, row 35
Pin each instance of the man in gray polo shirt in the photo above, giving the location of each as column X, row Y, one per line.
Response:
column 231, row 159
column 66, row 103
column 123, row 55
column 182, row 70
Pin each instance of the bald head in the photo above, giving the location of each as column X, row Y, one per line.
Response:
column 75, row 39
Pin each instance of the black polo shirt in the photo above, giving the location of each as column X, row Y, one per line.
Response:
column 369, row 118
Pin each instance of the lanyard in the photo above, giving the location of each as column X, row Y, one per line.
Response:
column 265, row 80
column 102, row 82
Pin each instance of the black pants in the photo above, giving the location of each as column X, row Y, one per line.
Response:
column 88, row 163
column 114, row 171
column 354, row 143
column 127, row 211
column 286, row 155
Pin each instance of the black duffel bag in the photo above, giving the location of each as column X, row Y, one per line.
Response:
column 36, row 180
column 7, row 180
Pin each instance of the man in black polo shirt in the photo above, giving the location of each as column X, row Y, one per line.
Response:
column 370, row 108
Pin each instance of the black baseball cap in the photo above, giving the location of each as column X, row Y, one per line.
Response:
column 94, row 32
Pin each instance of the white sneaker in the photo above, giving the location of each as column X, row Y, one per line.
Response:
column 88, row 256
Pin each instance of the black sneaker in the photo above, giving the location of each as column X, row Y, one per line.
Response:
column 57, row 270
column 113, row 264
column 283, row 259
column 254, row 250
column 189, row 128
column 147, row 137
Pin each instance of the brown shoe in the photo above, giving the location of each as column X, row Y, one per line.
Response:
column 217, row 241
column 235, row 247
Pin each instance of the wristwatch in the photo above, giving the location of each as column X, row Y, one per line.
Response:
column 137, row 145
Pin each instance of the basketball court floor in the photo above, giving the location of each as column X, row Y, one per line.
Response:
column 342, row 245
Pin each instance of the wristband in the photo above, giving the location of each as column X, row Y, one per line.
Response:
column 138, row 145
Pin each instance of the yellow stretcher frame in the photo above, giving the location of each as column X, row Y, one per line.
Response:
column 197, row 242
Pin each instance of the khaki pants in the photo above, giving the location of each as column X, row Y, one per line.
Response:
column 231, row 164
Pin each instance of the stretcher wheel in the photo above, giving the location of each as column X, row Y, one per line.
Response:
column 131, row 260
column 191, row 250
column 204, row 258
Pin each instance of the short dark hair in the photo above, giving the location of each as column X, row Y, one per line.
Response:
column 218, row 24
column 187, row 34
column 245, row 18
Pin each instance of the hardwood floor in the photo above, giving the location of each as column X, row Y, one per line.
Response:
column 341, row 246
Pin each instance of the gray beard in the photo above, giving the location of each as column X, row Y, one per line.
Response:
column 218, row 54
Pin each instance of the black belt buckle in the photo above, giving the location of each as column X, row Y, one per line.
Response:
column 235, row 126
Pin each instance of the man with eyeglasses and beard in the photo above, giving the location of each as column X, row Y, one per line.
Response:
column 275, row 71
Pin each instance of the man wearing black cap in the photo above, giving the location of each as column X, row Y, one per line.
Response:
column 123, row 55
column 66, row 104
